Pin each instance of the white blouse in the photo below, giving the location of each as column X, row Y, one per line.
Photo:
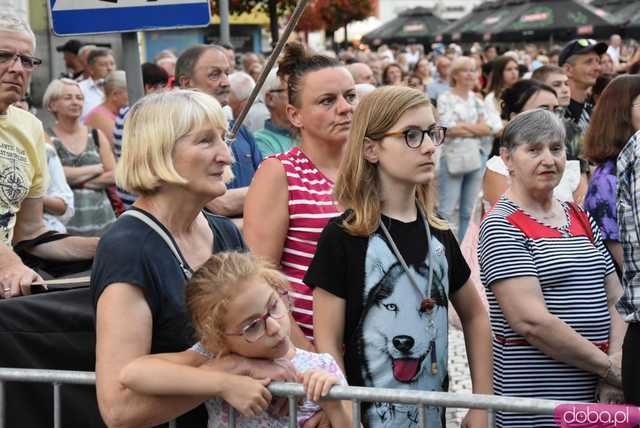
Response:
column 453, row 109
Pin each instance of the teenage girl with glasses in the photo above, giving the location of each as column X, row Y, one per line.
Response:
column 385, row 270
column 239, row 306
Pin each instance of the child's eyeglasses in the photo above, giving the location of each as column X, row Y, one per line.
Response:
column 256, row 329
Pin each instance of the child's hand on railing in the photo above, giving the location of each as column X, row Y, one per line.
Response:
column 317, row 383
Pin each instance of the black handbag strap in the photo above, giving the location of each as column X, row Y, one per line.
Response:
column 96, row 137
column 145, row 218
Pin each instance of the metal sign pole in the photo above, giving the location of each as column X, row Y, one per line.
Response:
column 295, row 17
column 132, row 66
column 225, row 32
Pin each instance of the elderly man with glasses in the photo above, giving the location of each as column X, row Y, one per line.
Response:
column 23, row 168
column 276, row 136
column 206, row 68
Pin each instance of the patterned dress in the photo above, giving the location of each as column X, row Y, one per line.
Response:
column 600, row 200
column 311, row 206
column 93, row 212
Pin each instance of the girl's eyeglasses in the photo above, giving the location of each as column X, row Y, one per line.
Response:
column 256, row 329
column 414, row 137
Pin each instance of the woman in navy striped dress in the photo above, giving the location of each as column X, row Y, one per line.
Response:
column 550, row 281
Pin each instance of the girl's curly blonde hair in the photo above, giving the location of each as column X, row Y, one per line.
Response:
column 215, row 284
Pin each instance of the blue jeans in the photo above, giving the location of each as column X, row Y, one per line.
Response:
column 458, row 188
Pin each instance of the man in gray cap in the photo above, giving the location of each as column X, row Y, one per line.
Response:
column 580, row 59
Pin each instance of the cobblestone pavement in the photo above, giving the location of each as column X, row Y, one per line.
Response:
column 459, row 377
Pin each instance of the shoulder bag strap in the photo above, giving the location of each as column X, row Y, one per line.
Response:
column 165, row 237
column 96, row 137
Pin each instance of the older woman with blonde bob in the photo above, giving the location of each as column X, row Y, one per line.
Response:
column 550, row 281
column 86, row 157
column 463, row 154
column 176, row 159
column 385, row 270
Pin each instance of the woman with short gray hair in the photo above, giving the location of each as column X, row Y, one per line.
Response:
column 550, row 281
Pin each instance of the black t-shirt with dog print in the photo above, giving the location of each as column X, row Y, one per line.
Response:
column 390, row 339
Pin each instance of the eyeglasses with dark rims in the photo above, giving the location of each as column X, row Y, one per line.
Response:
column 414, row 137
column 28, row 62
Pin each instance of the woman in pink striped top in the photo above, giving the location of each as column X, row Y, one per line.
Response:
column 290, row 199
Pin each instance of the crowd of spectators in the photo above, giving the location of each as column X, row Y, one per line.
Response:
column 351, row 181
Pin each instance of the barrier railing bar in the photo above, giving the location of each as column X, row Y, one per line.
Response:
column 422, row 416
column 232, row 417
column 47, row 376
column 445, row 399
column 491, row 415
column 2, row 405
column 54, row 377
column 293, row 411
column 172, row 424
column 292, row 391
column 57, row 415
column 355, row 413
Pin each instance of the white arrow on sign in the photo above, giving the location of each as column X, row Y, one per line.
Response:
column 107, row 4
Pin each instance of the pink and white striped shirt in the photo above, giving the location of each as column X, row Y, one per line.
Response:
column 311, row 206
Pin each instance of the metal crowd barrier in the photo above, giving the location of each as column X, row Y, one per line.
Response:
column 293, row 391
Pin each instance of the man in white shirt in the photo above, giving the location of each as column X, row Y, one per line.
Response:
column 100, row 64
column 362, row 73
column 440, row 84
column 615, row 42
column 413, row 54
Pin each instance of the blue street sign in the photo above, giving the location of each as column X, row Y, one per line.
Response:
column 74, row 17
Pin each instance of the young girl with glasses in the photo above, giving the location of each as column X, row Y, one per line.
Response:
column 385, row 270
column 238, row 305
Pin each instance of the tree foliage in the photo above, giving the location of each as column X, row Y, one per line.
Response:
column 336, row 14
column 328, row 15
column 242, row 6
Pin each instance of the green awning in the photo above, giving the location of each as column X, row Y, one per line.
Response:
column 417, row 25
column 532, row 21
column 478, row 25
column 540, row 20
